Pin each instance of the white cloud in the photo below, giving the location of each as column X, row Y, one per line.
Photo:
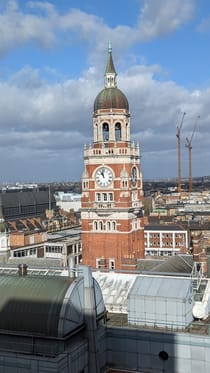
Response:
column 161, row 17
column 54, row 120
column 18, row 28
column 41, row 22
column 47, row 123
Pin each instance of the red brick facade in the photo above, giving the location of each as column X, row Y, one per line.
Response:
column 111, row 214
column 123, row 248
column 20, row 239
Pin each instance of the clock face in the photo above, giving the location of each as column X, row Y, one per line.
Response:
column 134, row 176
column 103, row 177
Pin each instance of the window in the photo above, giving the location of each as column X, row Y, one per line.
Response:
column 108, row 226
column 98, row 197
column 117, row 131
column 124, row 183
column 98, row 264
column 32, row 251
column 53, row 249
column 85, row 185
column 113, row 226
column 101, row 225
column 111, row 196
column 96, row 132
column 19, row 253
column 105, row 132
column 70, row 249
column 101, row 262
column 98, row 225
column 104, row 197
column 112, row 264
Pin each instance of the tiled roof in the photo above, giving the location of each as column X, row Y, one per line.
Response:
column 175, row 264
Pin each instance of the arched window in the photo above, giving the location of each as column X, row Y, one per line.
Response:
column 108, row 226
column 101, row 225
column 105, row 132
column 95, row 225
column 96, row 132
column 113, row 226
column 126, row 131
column 118, row 131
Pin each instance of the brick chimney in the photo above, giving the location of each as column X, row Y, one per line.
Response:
column 199, row 252
column 196, row 245
column 204, row 262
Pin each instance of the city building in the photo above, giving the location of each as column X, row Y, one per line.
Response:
column 112, row 195
column 62, row 248
column 61, row 323
column 68, row 201
column 165, row 239
column 51, row 323
column 32, row 227
column 56, row 316
column 21, row 216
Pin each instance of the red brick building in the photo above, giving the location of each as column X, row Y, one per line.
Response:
column 111, row 214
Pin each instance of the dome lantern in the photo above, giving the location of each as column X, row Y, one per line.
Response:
column 110, row 97
column 110, row 73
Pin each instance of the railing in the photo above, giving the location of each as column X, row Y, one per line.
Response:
column 104, row 205
column 131, row 150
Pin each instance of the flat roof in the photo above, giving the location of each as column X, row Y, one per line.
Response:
column 164, row 227
column 121, row 371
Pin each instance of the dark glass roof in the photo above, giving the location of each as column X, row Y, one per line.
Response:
column 31, row 304
column 25, row 203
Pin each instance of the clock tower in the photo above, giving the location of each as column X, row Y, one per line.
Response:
column 111, row 213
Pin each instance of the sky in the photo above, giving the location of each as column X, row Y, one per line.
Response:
column 53, row 56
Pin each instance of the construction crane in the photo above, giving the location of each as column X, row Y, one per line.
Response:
column 178, row 135
column 188, row 144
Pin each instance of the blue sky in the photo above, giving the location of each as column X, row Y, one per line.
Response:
column 52, row 60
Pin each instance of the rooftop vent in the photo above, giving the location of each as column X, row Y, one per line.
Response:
column 22, row 269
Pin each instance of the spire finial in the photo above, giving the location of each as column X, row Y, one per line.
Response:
column 110, row 73
column 110, row 47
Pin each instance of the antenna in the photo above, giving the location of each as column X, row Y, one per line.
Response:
column 49, row 196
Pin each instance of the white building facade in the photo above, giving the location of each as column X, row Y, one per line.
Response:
column 165, row 240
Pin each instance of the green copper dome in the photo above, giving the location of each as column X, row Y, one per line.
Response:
column 111, row 98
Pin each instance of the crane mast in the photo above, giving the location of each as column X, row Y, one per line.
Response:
column 178, row 135
column 188, row 144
